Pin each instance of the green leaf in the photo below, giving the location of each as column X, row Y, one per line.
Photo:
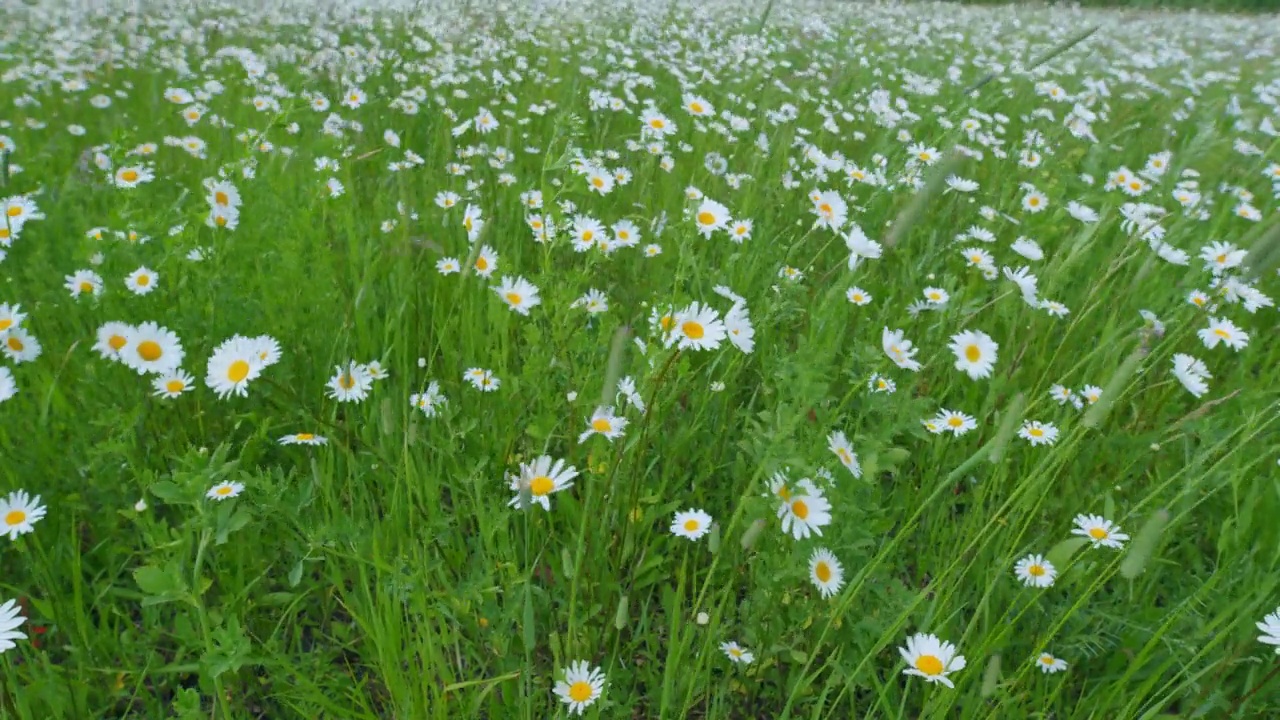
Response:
column 295, row 573
column 1144, row 545
column 161, row 585
column 186, row 705
column 231, row 649
column 169, row 492
column 233, row 518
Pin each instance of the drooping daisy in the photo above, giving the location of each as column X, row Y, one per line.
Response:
column 593, row 301
column 899, row 349
column 839, row 444
column 1027, row 248
column 581, row 686
column 1091, row 393
column 19, row 513
column 1100, row 531
column 736, row 653
column 806, row 511
column 975, row 353
column 738, row 328
column 1192, row 373
column 150, row 348
column 224, row 490
column 10, row 620
column 171, row 384
column 930, row 658
column 1049, row 664
column 825, row 572
column 691, row 524
column 1038, row 433
column 141, row 281
column 539, row 479
column 604, row 422
column 1034, row 571
column 351, row 383
column 429, row 400
column 303, row 438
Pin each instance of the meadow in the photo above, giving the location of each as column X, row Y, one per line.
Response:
column 617, row 359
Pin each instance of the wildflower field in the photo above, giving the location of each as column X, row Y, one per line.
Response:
column 804, row 359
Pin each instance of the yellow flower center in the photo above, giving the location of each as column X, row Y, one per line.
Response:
column 601, row 425
column 597, row 181
column 14, row 211
column 844, row 456
column 15, row 517
column 825, row 208
column 221, row 198
column 86, row 286
column 1046, row 659
column 929, row 665
column 822, row 571
column 1036, row 570
column 972, row 353
column 696, row 107
column 116, row 342
column 706, row 218
column 691, row 525
column 144, row 280
column 955, row 421
column 149, row 350
column 224, row 490
column 346, row 381
column 1222, row 333
column 580, row 691
column 587, row 235
column 129, row 176
column 481, row 263
column 657, row 123
column 514, row 298
column 1036, row 432
column 14, row 343
column 541, row 485
column 304, row 437
column 1098, row 533
column 175, row 386
column 800, row 509
column 237, row 371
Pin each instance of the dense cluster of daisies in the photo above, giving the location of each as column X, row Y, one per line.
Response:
column 1167, row 211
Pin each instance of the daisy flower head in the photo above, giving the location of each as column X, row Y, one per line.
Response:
column 857, row 296
column 1038, row 433
column 697, row 327
column 1100, row 531
column 736, row 653
column 975, row 353
column 936, row 296
column 351, row 383
column 232, row 366
column 519, row 294
column 710, row 216
column 303, row 438
column 1049, row 664
column 931, row 658
column 899, row 349
column 825, row 572
column 806, row 512
column 738, row 328
column 1270, row 628
column 593, row 301
column 171, row 384
column 10, row 620
column 151, row 349
column 429, row 400
column 20, row 346
column 1091, row 393
column 448, row 266
column 8, row 386
column 691, row 524
column 1034, row 571
column 141, row 281
column 839, row 444
column 224, row 490
column 958, row 423
column 111, row 339
column 1222, row 330
column 486, row 261
column 878, row 383
column 604, row 422
column 84, row 282
column 1027, row 248
column 131, row 176
column 582, row 685
column 538, row 480
column 19, row 512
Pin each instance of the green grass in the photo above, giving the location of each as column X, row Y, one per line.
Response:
column 383, row 575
